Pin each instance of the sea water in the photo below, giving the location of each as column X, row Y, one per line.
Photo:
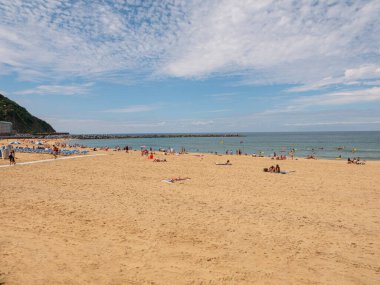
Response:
column 330, row 145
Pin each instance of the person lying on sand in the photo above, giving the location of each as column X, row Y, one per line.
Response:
column 160, row 160
column 179, row 179
column 276, row 169
column 176, row 179
column 359, row 161
column 226, row 163
column 270, row 169
column 356, row 161
column 310, row 157
column 280, row 157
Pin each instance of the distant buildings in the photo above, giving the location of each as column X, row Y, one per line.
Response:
column 5, row 127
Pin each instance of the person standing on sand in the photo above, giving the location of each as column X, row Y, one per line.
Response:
column 55, row 151
column 291, row 153
column 12, row 158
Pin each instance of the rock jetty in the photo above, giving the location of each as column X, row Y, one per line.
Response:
column 108, row 136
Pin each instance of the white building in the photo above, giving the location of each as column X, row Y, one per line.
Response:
column 5, row 127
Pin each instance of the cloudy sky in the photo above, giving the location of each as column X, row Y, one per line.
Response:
column 123, row 66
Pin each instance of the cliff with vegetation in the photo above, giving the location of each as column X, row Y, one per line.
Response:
column 23, row 121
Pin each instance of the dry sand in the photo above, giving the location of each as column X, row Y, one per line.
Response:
column 110, row 220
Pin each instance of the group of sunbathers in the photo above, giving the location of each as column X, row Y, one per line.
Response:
column 279, row 157
column 355, row 161
column 273, row 169
column 276, row 169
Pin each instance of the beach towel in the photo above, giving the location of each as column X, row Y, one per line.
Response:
column 286, row 172
column 167, row 181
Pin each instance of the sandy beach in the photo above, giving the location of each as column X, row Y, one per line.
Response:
column 111, row 220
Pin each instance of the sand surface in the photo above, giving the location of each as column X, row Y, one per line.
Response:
column 111, row 220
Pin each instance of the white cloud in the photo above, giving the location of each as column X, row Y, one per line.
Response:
column 332, row 123
column 60, row 39
column 223, row 95
column 288, row 41
column 340, row 98
column 262, row 41
column 365, row 74
column 328, row 81
column 133, row 109
column 307, row 120
column 219, row 111
column 298, row 120
column 373, row 82
column 202, row 123
column 57, row 90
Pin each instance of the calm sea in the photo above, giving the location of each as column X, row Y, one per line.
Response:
column 365, row 145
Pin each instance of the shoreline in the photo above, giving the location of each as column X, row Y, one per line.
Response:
column 212, row 154
column 344, row 147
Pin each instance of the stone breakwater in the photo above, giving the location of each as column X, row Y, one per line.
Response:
column 98, row 136
column 107, row 136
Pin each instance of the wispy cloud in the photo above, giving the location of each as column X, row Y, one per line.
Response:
column 219, row 111
column 266, row 41
column 133, row 109
column 274, row 41
column 372, row 82
column 332, row 123
column 340, row 98
column 328, row 47
column 365, row 75
column 302, row 119
column 333, row 119
column 57, row 90
column 96, row 39
column 202, row 123
column 223, row 95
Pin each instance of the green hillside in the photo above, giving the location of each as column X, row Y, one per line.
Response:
column 23, row 121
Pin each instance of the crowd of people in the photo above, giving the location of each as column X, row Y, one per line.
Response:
column 150, row 153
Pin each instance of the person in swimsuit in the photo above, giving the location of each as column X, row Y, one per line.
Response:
column 12, row 158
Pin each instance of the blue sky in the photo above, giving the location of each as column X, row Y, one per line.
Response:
column 193, row 66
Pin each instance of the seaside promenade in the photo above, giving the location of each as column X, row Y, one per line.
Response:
column 111, row 220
